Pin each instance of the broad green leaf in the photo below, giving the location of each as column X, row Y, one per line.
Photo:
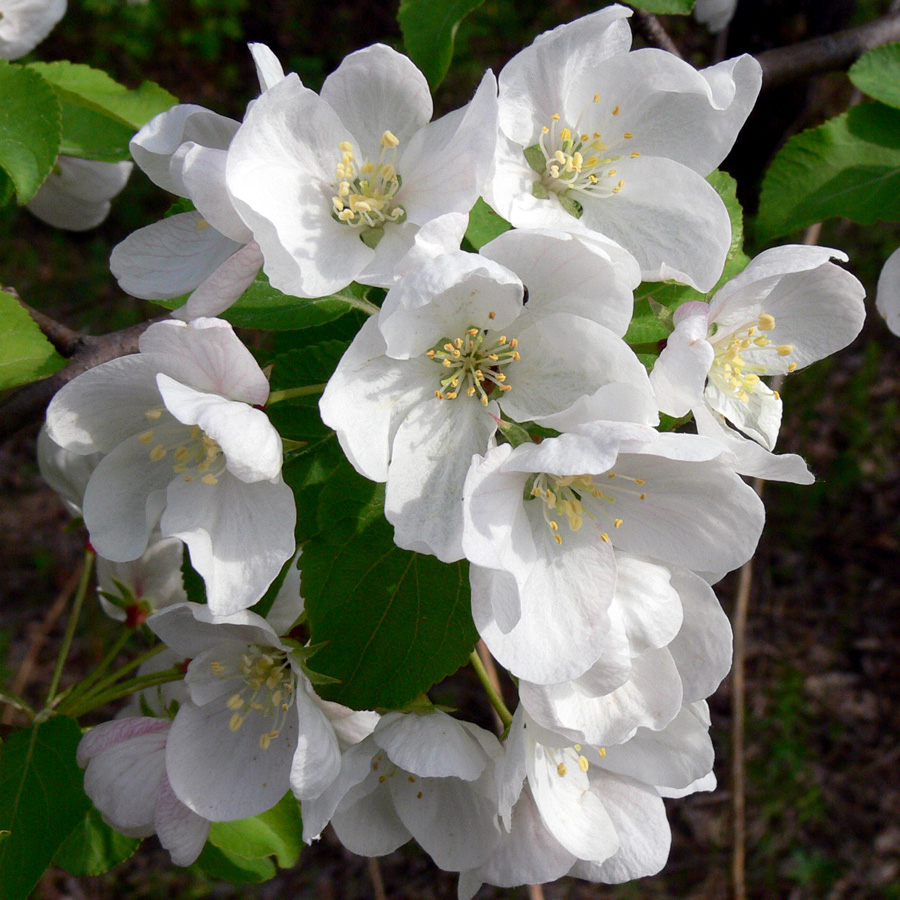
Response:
column 30, row 128
column 484, row 225
column 736, row 260
column 646, row 325
column 263, row 306
column 675, row 7
column 313, row 364
column 850, row 166
column 194, row 585
column 429, row 30
column 235, row 868
column 393, row 622
column 88, row 134
column 93, row 88
column 877, row 73
column 25, row 354
column 276, row 832
column 42, row 801
column 93, row 847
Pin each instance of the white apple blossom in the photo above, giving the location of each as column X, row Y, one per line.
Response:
column 887, row 297
column 357, row 183
column 185, row 448
column 126, row 780
column 542, row 523
column 209, row 252
column 25, row 23
column 76, row 195
column 252, row 729
column 416, row 393
column 66, row 472
column 791, row 306
column 596, row 137
column 421, row 775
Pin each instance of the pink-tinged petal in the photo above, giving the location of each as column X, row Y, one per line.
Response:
column 430, row 456
column 454, row 822
column 639, row 818
column 170, row 258
column 535, row 82
column 203, row 176
column 445, row 298
column 369, row 395
column 225, row 286
column 702, row 648
column 887, row 298
column 109, row 734
column 679, row 374
column 155, row 144
column 268, row 68
column 317, row 758
column 669, row 217
column 746, row 456
column 180, row 830
column 431, row 745
column 281, row 172
column 239, row 535
column 221, row 774
column 252, row 446
column 125, row 499
column 376, row 90
column 371, row 826
column 586, row 275
column 208, row 356
column 446, row 164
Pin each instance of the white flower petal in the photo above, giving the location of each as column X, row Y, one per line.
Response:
column 268, row 68
column 317, row 759
column 224, row 286
column 179, row 829
column 887, row 299
column 25, row 23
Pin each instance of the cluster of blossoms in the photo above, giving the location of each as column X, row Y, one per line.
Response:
column 494, row 395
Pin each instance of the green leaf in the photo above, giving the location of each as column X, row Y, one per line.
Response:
column 276, row 832
column 850, row 166
column 484, row 225
column 736, row 260
column 94, row 89
column 93, row 847
column 674, row 7
column 30, row 128
column 646, row 325
column 25, row 354
column 263, row 306
column 877, row 73
column 313, row 364
column 194, row 585
column 393, row 622
column 429, row 30
column 233, row 867
column 87, row 134
column 42, row 801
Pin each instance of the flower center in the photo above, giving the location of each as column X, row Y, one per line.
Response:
column 199, row 457
column 365, row 194
column 573, row 497
column 747, row 355
column 578, row 161
column 268, row 689
column 474, row 364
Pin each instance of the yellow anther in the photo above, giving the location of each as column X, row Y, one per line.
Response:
column 596, row 100
column 565, row 134
column 153, row 413
column 545, row 130
column 635, row 155
column 792, row 367
column 561, row 770
column 412, row 780
column 601, row 751
column 484, row 400
column 210, row 479
column 605, row 537
column 583, row 764
column 492, row 315
column 217, row 668
column 642, row 497
column 617, row 523
column 382, row 779
column 785, row 349
column 235, row 701
column 202, row 225
column 616, row 111
column 611, row 172
column 146, row 437
column 346, row 146
column 621, row 184
column 557, row 538
column 555, row 117
column 766, row 322
column 235, row 722
column 628, row 135
column 157, row 453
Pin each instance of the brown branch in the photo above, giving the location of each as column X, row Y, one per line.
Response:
column 29, row 403
column 652, row 31
column 828, row 53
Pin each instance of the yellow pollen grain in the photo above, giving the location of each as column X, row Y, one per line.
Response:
column 785, row 349
column 642, row 497
column 389, row 139
column 583, row 763
column 601, row 751
column 264, row 741
column 611, row 172
column 766, row 322
column 235, row 722
column 639, row 481
column 617, row 523
column 628, row 135
column 616, row 111
column 545, row 130
column 635, row 155
column 605, row 537
column 492, row 315
column 557, row 538
column 776, row 395
column 561, row 770
column 153, row 413
column 146, row 437
column 210, row 479
column 157, row 453
column 555, row 117
column 792, row 367
column 202, row 225
column 419, row 795
column 235, row 702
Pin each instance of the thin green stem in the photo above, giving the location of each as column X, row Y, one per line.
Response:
column 77, row 603
column 308, row 390
column 124, row 689
column 493, row 695
column 84, row 687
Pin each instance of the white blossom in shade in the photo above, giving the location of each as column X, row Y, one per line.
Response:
column 594, row 137
column 357, row 184
column 76, row 195
column 252, row 729
column 791, row 306
column 130, row 591
column 647, row 670
column 66, row 472
column 593, row 812
column 126, row 780
column 25, row 23
column 542, row 523
column 209, row 252
column 421, row 775
column 715, row 14
column 186, row 450
column 887, row 297
column 417, row 392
